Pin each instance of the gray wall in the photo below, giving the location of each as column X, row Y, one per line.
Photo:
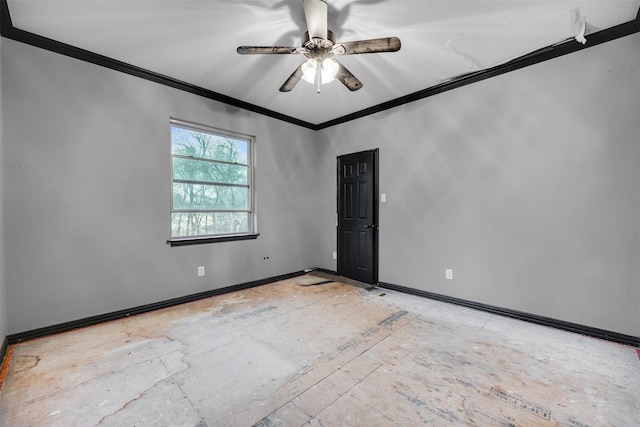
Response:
column 87, row 187
column 526, row 185
column 3, row 287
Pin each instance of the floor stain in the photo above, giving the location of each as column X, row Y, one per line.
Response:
column 24, row 363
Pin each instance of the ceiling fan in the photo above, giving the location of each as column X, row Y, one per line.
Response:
column 319, row 46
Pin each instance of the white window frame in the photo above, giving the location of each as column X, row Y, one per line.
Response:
column 251, row 233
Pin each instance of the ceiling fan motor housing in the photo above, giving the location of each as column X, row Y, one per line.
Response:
column 319, row 43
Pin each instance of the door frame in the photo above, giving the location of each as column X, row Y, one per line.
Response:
column 375, row 210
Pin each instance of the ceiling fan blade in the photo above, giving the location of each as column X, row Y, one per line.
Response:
column 274, row 50
column 315, row 12
column 292, row 81
column 386, row 44
column 349, row 80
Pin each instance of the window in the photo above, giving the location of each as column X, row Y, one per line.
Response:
column 212, row 184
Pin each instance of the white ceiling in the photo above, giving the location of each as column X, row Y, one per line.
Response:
column 195, row 41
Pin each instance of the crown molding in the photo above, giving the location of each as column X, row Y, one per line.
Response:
column 565, row 47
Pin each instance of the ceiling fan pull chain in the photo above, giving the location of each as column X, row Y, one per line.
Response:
column 318, row 76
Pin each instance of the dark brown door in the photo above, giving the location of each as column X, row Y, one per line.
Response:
column 358, row 216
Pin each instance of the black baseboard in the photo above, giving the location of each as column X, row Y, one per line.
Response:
column 101, row 318
column 527, row 317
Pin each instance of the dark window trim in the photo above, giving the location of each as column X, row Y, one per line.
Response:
column 211, row 239
column 559, row 49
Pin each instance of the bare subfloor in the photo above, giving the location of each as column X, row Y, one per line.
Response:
column 299, row 353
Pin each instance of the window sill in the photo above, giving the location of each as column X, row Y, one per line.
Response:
column 204, row 240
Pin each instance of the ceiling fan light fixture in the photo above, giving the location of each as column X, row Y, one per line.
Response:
column 328, row 69
column 309, row 70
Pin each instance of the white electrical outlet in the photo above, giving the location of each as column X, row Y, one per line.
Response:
column 383, row 197
column 335, row 255
column 448, row 274
column 201, row 271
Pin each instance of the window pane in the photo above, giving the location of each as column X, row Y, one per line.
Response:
column 206, row 223
column 212, row 185
column 203, row 196
column 198, row 170
column 189, row 142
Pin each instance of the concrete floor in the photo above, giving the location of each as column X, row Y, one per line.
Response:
column 296, row 353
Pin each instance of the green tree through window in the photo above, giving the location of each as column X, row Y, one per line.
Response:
column 212, row 187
